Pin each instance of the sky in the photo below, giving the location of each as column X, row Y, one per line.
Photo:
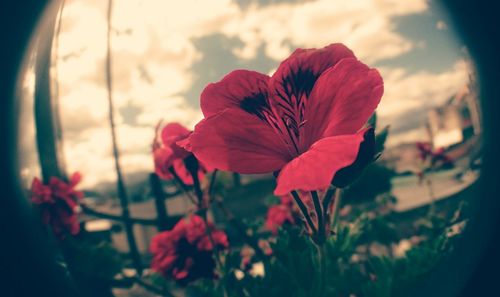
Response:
column 165, row 52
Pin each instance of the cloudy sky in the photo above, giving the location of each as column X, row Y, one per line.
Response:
column 165, row 52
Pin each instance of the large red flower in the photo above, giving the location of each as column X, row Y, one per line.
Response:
column 170, row 158
column 185, row 252
column 306, row 121
column 58, row 201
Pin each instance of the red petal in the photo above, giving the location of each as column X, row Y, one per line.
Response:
column 237, row 141
column 75, row 178
column 235, row 87
column 342, row 100
column 296, row 76
column 182, row 172
column 172, row 133
column 163, row 160
column 315, row 169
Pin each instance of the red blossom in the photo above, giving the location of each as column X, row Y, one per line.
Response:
column 168, row 156
column 185, row 253
column 279, row 215
column 435, row 157
column 57, row 202
column 305, row 121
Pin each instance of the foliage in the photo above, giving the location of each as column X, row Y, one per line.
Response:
column 375, row 180
column 352, row 270
column 92, row 260
column 376, row 177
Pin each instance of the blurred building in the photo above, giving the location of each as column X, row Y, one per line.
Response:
column 401, row 158
column 456, row 121
column 454, row 126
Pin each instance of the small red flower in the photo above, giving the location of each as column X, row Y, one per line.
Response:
column 434, row 157
column 58, row 201
column 170, row 158
column 279, row 215
column 306, row 121
column 185, row 252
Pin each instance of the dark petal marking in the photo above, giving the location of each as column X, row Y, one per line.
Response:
column 256, row 105
column 290, row 101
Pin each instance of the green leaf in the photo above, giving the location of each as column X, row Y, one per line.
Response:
column 380, row 140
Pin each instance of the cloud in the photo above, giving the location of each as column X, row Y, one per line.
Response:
column 408, row 97
column 405, row 92
column 81, row 42
column 91, row 153
column 365, row 26
column 165, row 52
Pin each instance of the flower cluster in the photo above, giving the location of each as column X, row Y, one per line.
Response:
column 185, row 253
column 172, row 160
column 281, row 214
column 57, row 202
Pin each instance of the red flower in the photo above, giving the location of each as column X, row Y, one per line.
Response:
column 168, row 156
column 279, row 215
column 57, row 202
column 306, row 121
column 185, row 252
column 426, row 153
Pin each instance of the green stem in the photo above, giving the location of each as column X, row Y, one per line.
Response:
column 181, row 185
column 212, row 183
column 212, row 241
column 192, row 165
column 240, row 227
column 430, row 190
column 321, row 281
column 327, row 199
column 304, row 211
column 335, row 211
column 320, row 236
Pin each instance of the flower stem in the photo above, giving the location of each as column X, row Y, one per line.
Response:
column 212, row 241
column 192, row 165
column 212, row 183
column 335, row 209
column 327, row 199
column 304, row 211
column 321, row 281
column 430, row 190
column 238, row 224
column 181, row 185
column 320, row 236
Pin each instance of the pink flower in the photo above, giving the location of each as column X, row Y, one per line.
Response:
column 279, row 215
column 305, row 122
column 57, row 202
column 185, row 252
column 169, row 157
column 426, row 153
